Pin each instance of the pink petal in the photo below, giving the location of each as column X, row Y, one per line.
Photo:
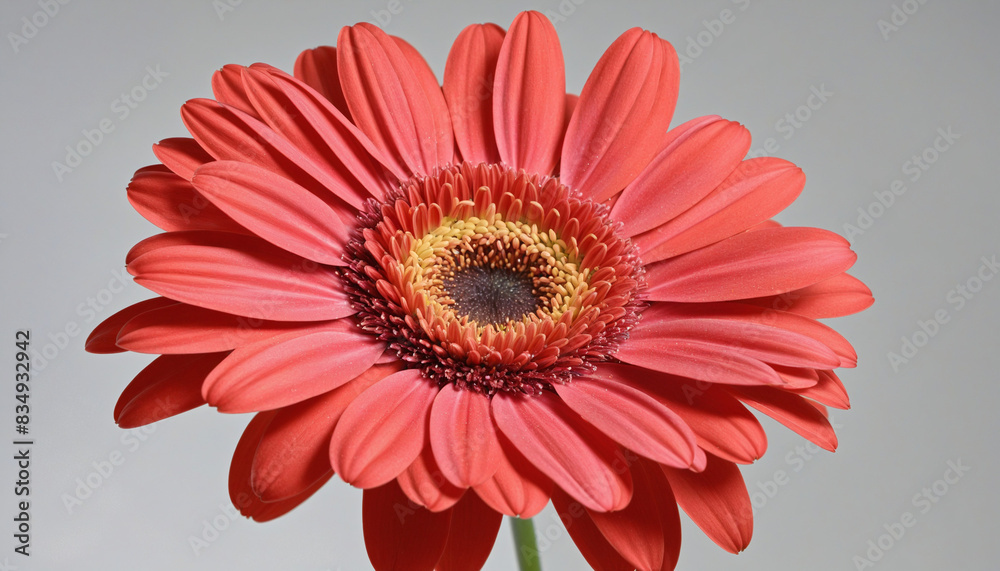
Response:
column 793, row 411
column 468, row 89
column 276, row 209
column 435, row 95
column 228, row 89
column 389, row 102
column 600, row 554
column 517, row 488
column 722, row 425
column 624, row 111
column 229, row 134
column 103, row 339
column 752, row 264
column 696, row 359
column 181, row 155
column 576, row 455
column 662, row 326
column 698, row 156
column 181, row 328
column 828, row 390
column 647, row 532
column 384, row 430
column 321, row 132
column 717, row 501
column 294, row 448
column 317, row 68
column 291, row 367
column 473, row 532
column 463, row 437
column 833, row 297
column 170, row 385
column 173, row 204
column 400, row 536
column 240, row 491
column 425, row 485
column 529, row 93
column 632, row 418
column 243, row 275
column 758, row 189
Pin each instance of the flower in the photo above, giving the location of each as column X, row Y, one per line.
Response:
column 472, row 298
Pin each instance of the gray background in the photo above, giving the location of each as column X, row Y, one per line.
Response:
column 62, row 242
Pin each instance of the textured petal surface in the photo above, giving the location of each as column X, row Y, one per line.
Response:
column 757, row 190
column 717, row 501
column 698, row 156
column 833, row 297
column 182, row 328
column 598, row 552
column 468, row 89
column 473, row 532
column 182, row 155
column 103, row 339
column 463, row 437
column 577, row 456
column 389, row 103
column 425, row 485
column 243, row 275
column 529, row 94
column 384, row 430
column 633, row 419
column 276, row 209
column 828, row 390
column 623, row 113
column 752, row 264
column 794, row 412
column 292, row 367
column 517, row 488
column 400, row 536
column 317, row 68
column 172, row 203
column 170, row 385
column 294, row 448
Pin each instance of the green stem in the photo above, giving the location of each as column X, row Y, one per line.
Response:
column 528, row 558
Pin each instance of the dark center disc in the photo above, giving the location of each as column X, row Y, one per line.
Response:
column 491, row 295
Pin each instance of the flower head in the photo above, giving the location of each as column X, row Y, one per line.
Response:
column 470, row 299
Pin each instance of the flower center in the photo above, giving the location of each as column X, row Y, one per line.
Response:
column 493, row 279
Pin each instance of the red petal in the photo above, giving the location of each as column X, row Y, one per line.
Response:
column 717, row 501
column 698, row 156
column 172, row 203
column 317, row 68
column 182, row 328
column 468, row 89
column 758, row 189
column 600, row 554
column 578, row 457
column 633, row 419
column 529, row 93
column 321, row 132
column 389, row 102
column 103, row 339
column 240, row 491
column 697, row 360
column 833, row 297
column 661, row 326
column 648, row 531
column 463, row 438
column 294, row 448
column 473, row 532
column 828, row 390
column 384, row 430
column 424, row 483
column 292, row 367
column 400, row 536
column 517, row 488
column 752, row 264
column 228, row 89
column 723, row 426
column 793, row 411
column 170, row 385
column 624, row 110
column 238, row 274
column 276, row 209
column 182, row 155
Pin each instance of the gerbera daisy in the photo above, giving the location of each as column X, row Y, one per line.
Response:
column 470, row 299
